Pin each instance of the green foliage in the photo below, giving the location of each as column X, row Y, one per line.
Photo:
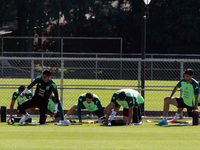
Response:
column 172, row 25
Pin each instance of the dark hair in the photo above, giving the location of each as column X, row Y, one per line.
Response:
column 21, row 88
column 189, row 71
column 89, row 95
column 47, row 72
column 122, row 95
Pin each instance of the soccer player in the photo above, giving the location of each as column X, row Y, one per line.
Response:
column 45, row 86
column 51, row 106
column 179, row 110
column 16, row 97
column 127, row 98
column 87, row 101
column 189, row 98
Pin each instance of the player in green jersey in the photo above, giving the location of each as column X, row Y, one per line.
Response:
column 127, row 98
column 179, row 110
column 189, row 98
column 86, row 101
column 16, row 97
column 51, row 106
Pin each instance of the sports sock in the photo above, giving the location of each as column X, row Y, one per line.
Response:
column 164, row 118
column 65, row 117
column 112, row 115
column 176, row 116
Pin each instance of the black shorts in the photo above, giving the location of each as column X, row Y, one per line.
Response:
column 97, row 112
column 125, row 110
column 181, row 104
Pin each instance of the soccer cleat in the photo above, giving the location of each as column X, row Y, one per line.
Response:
column 172, row 121
column 101, row 119
column 162, row 123
column 27, row 116
column 64, row 123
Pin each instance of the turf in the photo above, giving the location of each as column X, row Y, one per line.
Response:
column 73, row 88
column 96, row 136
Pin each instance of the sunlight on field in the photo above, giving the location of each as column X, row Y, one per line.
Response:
column 104, row 89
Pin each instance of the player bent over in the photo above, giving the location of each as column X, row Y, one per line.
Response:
column 16, row 96
column 127, row 98
column 45, row 86
column 60, row 113
column 87, row 101
column 189, row 98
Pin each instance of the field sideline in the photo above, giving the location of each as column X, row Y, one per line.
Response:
column 96, row 136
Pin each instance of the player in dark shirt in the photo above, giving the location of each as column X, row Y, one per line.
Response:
column 45, row 86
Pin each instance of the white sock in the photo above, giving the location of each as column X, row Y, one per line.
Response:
column 65, row 117
column 105, row 115
column 112, row 115
column 164, row 118
column 176, row 116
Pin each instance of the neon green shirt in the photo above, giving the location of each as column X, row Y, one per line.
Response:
column 189, row 90
column 16, row 96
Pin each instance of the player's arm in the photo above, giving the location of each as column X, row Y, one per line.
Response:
column 79, row 110
column 60, row 110
column 174, row 90
column 196, row 102
column 29, row 87
column 11, row 108
column 110, row 106
column 56, row 103
column 99, row 106
column 130, row 114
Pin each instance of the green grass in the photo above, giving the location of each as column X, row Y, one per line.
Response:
column 95, row 136
column 153, row 99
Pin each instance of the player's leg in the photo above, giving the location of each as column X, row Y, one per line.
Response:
column 178, row 112
column 30, row 110
column 27, row 104
column 126, row 115
column 43, row 111
column 167, row 101
column 114, row 112
column 71, row 111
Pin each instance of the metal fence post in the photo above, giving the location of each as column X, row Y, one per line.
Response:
column 32, row 73
column 181, row 76
column 62, row 72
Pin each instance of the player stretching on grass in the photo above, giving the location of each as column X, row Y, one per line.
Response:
column 87, row 101
column 179, row 110
column 16, row 96
column 45, row 86
column 60, row 113
column 128, row 98
column 189, row 98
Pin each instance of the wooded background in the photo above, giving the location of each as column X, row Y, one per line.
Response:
column 173, row 26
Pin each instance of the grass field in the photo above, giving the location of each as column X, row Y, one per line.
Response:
column 96, row 136
column 75, row 87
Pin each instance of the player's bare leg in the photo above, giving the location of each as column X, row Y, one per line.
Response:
column 72, row 110
column 167, row 101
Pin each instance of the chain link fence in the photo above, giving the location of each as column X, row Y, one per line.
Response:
column 101, row 76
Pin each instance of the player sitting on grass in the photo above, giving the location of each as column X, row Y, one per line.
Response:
column 127, row 98
column 16, row 96
column 189, row 98
column 87, row 101
column 179, row 110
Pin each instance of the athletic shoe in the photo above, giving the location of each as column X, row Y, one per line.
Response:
column 64, row 123
column 172, row 121
column 101, row 119
column 27, row 116
column 162, row 123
